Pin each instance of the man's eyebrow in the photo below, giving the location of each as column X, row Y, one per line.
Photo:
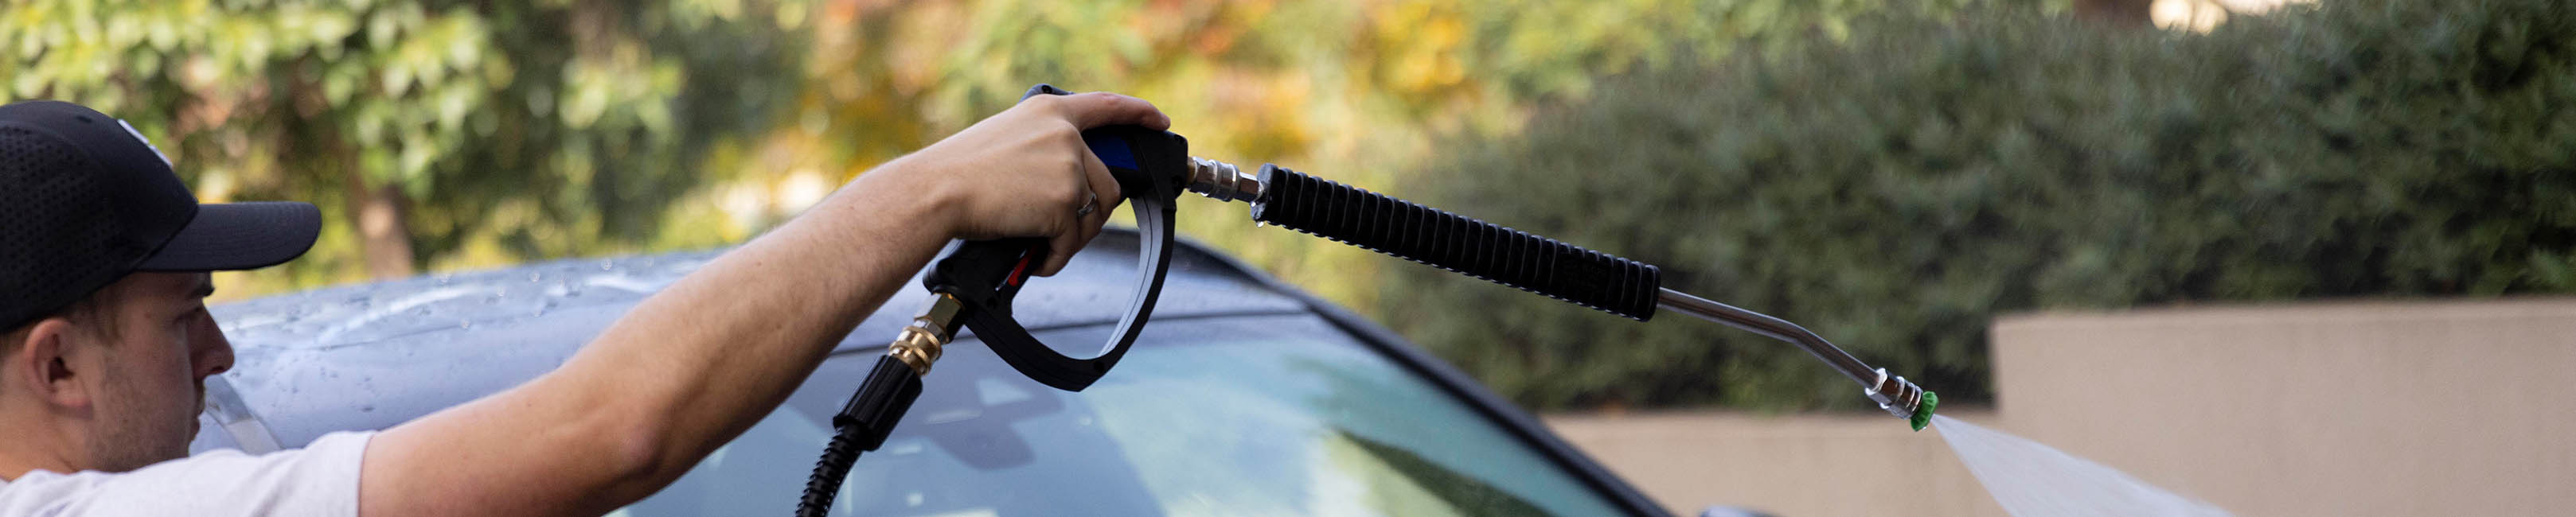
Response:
column 204, row 289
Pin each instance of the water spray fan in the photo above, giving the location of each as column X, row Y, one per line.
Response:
column 974, row 283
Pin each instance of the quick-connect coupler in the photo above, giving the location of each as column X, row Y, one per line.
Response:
column 888, row 391
column 1903, row 399
column 918, row 344
column 1222, row 181
column 891, row 386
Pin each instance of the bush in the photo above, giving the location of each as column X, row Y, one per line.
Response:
column 1896, row 189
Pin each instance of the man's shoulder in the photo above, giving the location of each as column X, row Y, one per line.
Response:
column 320, row 479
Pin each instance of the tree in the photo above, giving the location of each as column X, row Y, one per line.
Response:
column 1896, row 190
column 427, row 126
column 2123, row 13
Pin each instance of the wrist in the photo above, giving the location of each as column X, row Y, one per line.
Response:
column 908, row 192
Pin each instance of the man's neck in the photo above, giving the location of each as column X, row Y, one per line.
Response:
column 12, row 468
column 31, row 450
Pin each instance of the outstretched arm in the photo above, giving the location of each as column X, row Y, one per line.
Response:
column 696, row 364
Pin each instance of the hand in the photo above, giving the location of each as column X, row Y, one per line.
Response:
column 1025, row 172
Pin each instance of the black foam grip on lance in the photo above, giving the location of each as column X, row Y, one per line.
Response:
column 1457, row 243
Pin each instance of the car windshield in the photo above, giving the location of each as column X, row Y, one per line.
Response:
column 1266, row 415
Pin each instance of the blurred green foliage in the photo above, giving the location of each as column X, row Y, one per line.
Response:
column 1896, row 189
column 1358, row 91
column 442, row 134
column 429, row 129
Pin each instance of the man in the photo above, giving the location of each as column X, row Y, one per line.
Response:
column 105, row 342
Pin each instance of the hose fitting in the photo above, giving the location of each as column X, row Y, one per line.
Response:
column 1894, row 394
column 888, row 391
column 1902, row 398
column 918, row 344
column 1223, row 181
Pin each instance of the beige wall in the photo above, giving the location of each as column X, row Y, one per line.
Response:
column 2351, row 409
column 1790, row 466
column 2335, row 409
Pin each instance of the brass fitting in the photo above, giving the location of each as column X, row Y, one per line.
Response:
column 917, row 345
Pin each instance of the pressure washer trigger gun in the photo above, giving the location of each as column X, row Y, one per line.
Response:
column 973, row 285
column 1150, row 167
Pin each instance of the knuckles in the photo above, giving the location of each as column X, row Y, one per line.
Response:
column 1050, row 104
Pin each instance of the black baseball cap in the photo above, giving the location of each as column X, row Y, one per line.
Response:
column 85, row 200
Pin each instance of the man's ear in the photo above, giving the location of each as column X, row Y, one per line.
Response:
column 41, row 366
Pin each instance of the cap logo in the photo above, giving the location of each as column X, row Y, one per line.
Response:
column 147, row 143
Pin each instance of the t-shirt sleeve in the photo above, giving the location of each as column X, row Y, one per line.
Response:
column 320, row 480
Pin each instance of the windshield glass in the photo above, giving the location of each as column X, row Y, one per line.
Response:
column 1270, row 415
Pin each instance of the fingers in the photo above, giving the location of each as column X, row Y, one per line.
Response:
column 1095, row 109
column 1060, row 250
column 1097, row 175
column 1086, row 224
column 1110, row 197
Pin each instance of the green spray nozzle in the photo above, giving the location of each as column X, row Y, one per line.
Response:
column 1923, row 412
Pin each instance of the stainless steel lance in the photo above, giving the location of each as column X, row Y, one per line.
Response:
column 1514, row 258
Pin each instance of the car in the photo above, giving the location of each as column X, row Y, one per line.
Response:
column 1243, row 396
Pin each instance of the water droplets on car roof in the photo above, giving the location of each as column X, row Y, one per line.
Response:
column 445, row 302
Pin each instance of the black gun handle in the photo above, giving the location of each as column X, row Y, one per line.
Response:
column 999, row 266
column 986, row 276
column 1457, row 243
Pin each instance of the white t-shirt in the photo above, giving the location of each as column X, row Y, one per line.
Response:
column 320, row 480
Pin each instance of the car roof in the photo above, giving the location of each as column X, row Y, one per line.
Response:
column 369, row 356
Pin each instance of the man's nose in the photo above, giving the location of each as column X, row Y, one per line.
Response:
column 214, row 353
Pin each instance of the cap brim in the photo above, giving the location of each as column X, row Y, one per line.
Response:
column 235, row 236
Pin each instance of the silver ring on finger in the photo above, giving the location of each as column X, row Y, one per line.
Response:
column 1087, row 205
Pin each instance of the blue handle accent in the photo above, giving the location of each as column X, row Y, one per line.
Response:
column 1112, row 151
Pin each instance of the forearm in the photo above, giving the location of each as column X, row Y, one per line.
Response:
column 711, row 354
column 697, row 363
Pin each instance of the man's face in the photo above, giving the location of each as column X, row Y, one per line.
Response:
column 151, row 381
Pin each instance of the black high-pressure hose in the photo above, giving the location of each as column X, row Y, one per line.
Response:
column 861, row 426
column 870, row 415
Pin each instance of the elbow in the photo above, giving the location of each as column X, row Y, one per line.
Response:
column 624, row 440
column 650, row 460
column 634, row 458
